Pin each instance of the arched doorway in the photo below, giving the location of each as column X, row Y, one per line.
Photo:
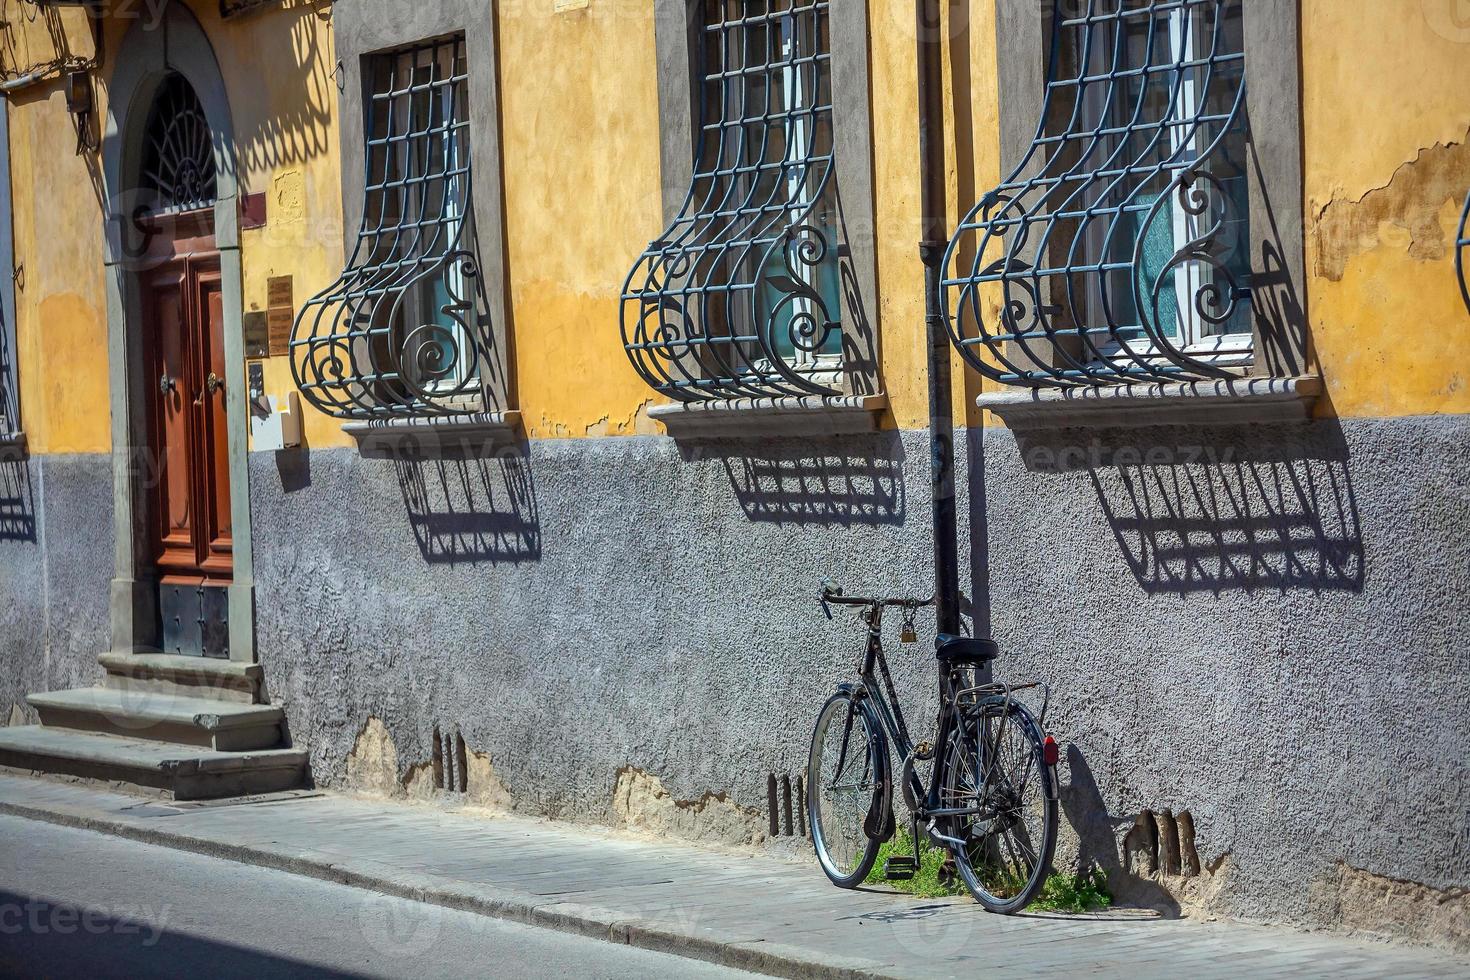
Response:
column 182, row 580
column 189, row 540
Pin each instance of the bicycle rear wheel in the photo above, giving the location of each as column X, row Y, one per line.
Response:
column 997, row 768
column 847, row 779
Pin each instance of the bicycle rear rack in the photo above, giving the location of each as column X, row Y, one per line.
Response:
column 970, row 697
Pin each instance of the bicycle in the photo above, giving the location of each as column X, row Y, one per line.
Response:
column 991, row 800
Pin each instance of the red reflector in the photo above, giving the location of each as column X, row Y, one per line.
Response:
column 1050, row 751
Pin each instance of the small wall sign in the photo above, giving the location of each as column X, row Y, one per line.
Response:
column 280, row 300
column 257, row 335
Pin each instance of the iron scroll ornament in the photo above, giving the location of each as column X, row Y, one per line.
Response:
column 1056, row 278
column 358, row 353
column 730, row 301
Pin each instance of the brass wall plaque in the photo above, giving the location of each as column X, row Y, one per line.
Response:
column 280, row 313
column 257, row 336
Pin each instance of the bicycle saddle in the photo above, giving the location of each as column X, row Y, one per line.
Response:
column 965, row 649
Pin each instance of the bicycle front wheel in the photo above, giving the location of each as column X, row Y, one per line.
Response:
column 846, row 778
column 997, row 773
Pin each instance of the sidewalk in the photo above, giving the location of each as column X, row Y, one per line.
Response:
column 743, row 911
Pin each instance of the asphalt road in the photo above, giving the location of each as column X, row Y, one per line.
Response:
column 80, row 904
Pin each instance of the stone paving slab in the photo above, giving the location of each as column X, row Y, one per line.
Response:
column 744, row 911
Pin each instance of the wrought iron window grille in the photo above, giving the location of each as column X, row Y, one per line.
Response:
column 405, row 330
column 1462, row 252
column 1117, row 251
column 743, row 294
column 178, row 172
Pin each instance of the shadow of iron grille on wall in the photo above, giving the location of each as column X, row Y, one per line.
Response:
column 742, row 295
column 1462, row 247
column 1118, row 249
column 405, row 330
column 9, row 394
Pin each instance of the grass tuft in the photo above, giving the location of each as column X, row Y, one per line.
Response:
column 1086, row 891
column 926, row 883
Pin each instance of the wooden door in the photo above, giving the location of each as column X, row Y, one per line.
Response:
column 190, row 513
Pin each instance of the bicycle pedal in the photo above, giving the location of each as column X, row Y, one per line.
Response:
column 900, row 868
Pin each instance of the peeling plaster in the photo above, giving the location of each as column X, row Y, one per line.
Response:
column 372, row 767
column 637, row 424
column 1407, row 207
column 1363, row 901
column 641, row 803
column 485, row 786
column 418, row 782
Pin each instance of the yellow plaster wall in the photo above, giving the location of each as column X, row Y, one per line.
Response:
column 35, row 38
column 582, row 200
column 277, row 68
column 582, row 197
column 1387, row 119
column 61, row 305
column 971, row 128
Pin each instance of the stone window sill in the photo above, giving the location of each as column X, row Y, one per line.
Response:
column 1224, row 402
column 12, row 447
column 746, row 418
column 436, row 437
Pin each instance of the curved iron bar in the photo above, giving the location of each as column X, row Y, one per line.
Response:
column 707, row 307
column 1036, row 285
column 404, row 331
column 1462, row 247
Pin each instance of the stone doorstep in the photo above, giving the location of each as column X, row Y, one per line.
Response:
column 177, row 772
column 203, row 722
column 200, row 677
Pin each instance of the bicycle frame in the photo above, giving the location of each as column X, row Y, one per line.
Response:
column 884, row 697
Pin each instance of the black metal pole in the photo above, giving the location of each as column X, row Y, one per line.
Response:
column 932, row 243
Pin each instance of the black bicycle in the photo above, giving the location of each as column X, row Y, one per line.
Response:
column 991, row 799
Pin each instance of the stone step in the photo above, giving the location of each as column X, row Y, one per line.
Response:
column 179, row 772
column 198, row 677
column 219, row 725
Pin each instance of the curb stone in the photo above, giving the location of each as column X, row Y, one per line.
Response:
column 760, row 956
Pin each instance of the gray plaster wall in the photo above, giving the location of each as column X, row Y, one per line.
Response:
column 590, row 605
column 1263, row 626
column 55, row 551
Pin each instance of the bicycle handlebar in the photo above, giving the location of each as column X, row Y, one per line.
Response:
column 832, row 593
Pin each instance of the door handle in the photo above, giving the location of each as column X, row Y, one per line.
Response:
column 212, row 384
column 165, row 384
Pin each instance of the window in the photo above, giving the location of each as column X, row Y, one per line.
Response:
column 1119, row 248
column 405, row 330
column 178, row 157
column 743, row 295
